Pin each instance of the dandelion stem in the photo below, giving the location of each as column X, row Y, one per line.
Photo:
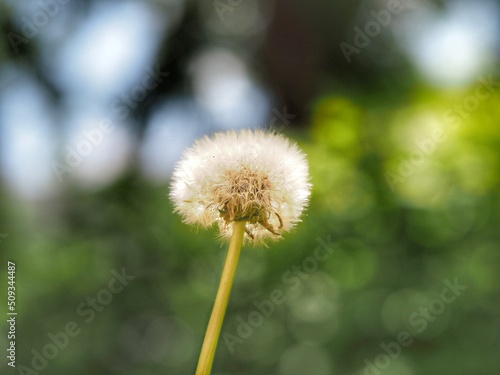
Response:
column 215, row 324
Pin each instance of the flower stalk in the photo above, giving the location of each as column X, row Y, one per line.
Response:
column 254, row 185
column 215, row 324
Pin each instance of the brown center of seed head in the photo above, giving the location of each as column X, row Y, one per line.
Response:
column 246, row 196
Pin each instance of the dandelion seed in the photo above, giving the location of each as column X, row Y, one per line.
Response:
column 256, row 176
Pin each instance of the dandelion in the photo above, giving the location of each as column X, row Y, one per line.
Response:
column 254, row 185
column 255, row 176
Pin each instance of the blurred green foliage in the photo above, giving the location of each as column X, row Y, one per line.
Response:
column 394, row 247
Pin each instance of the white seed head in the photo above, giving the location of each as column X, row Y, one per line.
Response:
column 250, row 175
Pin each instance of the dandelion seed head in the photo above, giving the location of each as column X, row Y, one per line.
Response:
column 251, row 175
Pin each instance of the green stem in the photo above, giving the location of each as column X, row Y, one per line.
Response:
column 215, row 324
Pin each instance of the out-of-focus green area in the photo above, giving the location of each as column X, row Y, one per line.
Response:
column 394, row 253
column 394, row 269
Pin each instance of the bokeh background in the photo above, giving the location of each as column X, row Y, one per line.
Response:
column 397, row 105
